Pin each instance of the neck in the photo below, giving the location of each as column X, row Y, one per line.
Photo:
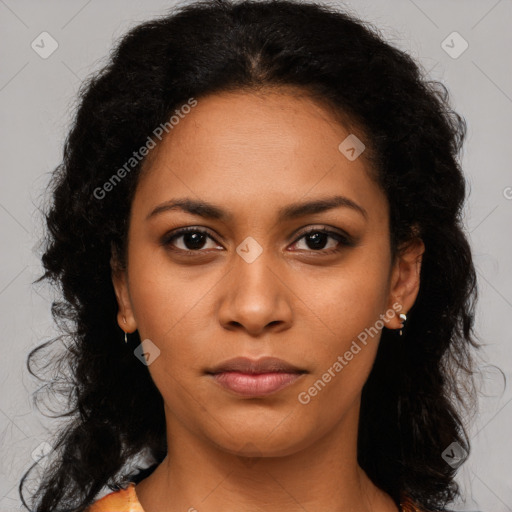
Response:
column 197, row 475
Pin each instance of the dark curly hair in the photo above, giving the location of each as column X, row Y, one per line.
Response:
column 410, row 403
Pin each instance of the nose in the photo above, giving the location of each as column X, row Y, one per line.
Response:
column 255, row 298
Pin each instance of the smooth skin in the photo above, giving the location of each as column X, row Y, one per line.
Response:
column 304, row 299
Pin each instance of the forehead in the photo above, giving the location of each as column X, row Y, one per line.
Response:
column 246, row 149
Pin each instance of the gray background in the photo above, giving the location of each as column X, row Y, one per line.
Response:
column 37, row 98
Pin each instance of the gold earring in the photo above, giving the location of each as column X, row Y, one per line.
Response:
column 125, row 334
column 403, row 317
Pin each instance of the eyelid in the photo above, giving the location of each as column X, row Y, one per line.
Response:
column 325, row 229
column 345, row 238
column 177, row 233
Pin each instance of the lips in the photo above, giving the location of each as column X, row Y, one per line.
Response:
column 251, row 366
column 255, row 378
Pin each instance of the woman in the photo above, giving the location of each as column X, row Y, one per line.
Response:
column 257, row 231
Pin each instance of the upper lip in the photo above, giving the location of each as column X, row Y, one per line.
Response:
column 262, row 365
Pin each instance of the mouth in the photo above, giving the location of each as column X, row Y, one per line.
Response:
column 255, row 378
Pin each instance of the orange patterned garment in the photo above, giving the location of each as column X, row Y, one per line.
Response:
column 125, row 500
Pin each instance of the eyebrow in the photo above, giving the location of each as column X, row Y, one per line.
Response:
column 210, row 211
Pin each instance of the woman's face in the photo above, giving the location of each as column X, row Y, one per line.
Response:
column 249, row 281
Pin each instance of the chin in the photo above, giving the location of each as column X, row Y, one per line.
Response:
column 267, row 442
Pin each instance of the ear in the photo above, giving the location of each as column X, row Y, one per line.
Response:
column 405, row 280
column 125, row 317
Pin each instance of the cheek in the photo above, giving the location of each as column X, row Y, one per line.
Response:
column 343, row 356
column 165, row 299
column 346, row 306
column 171, row 310
column 328, row 396
column 346, row 298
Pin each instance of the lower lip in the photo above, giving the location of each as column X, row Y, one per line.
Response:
column 256, row 385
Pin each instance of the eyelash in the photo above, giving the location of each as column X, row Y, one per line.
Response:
column 344, row 240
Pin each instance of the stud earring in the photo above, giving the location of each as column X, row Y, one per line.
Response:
column 403, row 317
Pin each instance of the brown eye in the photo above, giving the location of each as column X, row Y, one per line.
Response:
column 316, row 240
column 193, row 240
